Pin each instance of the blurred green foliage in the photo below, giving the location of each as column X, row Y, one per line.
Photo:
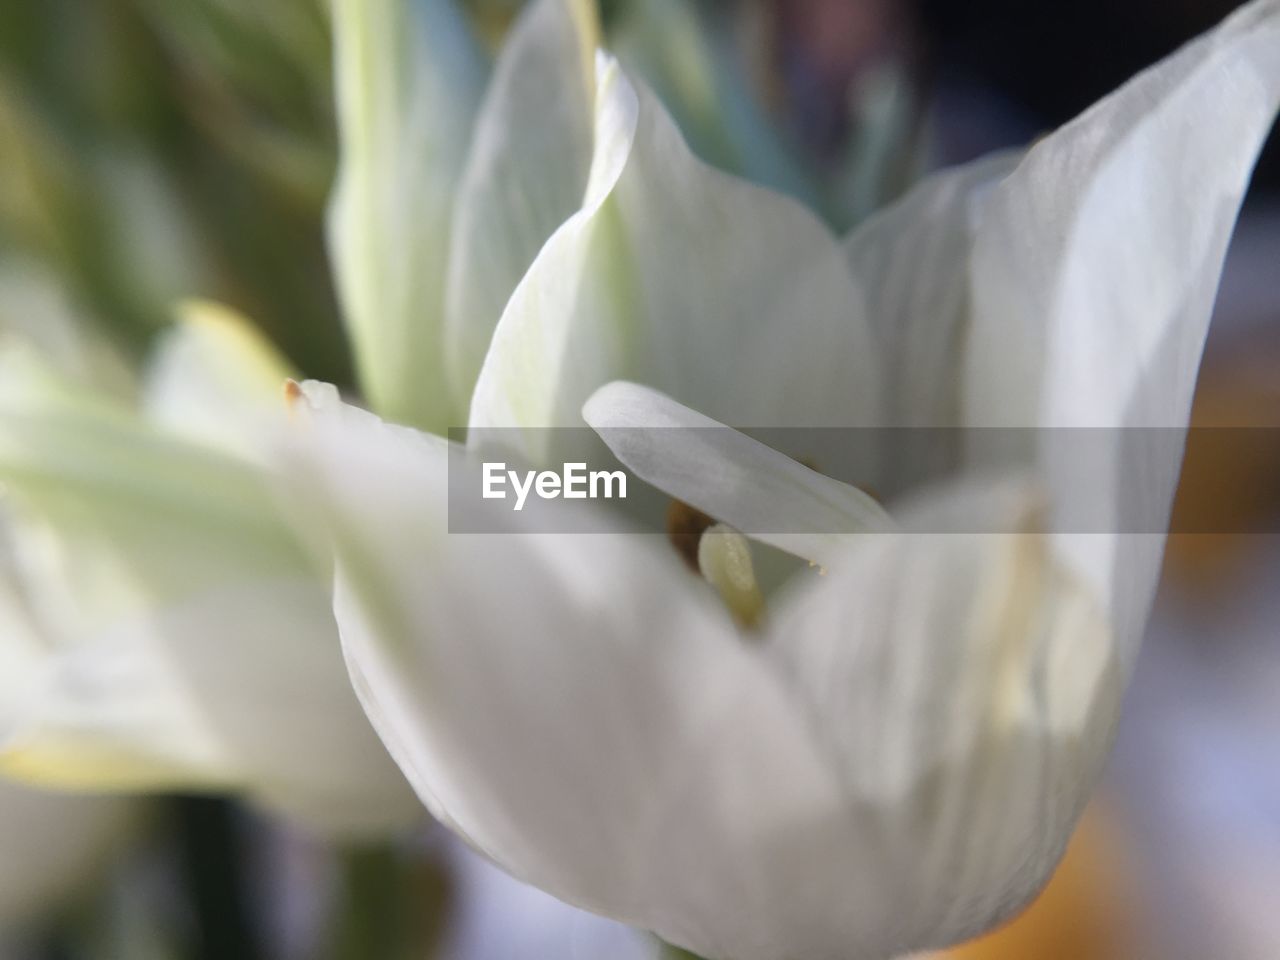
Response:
column 158, row 149
column 154, row 150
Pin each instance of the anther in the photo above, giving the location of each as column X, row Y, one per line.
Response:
column 724, row 559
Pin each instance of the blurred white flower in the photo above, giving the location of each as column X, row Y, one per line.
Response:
column 175, row 634
column 50, row 844
column 185, row 638
column 894, row 757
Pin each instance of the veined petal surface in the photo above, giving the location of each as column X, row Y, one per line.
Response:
column 911, row 260
column 526, row 173
column 409, row 79
column 966, row 686
column 1070, row 289
column 580, row 710
column 923, row 724
column 1093, row 277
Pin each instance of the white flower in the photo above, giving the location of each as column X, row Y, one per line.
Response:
column 894, row 757
column 185, row 635
column 49, row 843
column 174, row 632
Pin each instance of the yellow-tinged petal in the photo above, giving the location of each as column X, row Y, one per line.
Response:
column 216, row 379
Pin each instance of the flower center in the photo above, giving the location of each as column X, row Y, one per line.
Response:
column 721, row 556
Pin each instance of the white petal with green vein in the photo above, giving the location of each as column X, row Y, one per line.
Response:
column 730, row 298
column 409, row 79
column 525, row 175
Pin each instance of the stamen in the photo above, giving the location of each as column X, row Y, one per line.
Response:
column 724, row 559
column 720, row 555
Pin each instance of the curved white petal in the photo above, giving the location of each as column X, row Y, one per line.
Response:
column 50, row 847
column 497, row 916
column 213, row 377
column 182, row 638
column 575, row 708
column 966, row 687
column 730, row 298
column 911, row 261
column 409, row 79
column 1093, row 277
column 579, row 708
column 524, row 176
column 729, row 476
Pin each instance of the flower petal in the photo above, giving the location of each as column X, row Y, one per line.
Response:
column 212, row 378
column 581, row 710
column 729, row 476
column 912, row 262
column 1093, row 278
column 572, row 706
column 730, row 298
column 966, row 686
column 524, row 176
column 409, row 79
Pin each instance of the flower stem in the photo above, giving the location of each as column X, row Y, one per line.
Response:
column 214, row 871
column 371, row 922
column 394, row 905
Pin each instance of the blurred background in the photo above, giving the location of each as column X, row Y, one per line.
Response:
column 156, row 150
